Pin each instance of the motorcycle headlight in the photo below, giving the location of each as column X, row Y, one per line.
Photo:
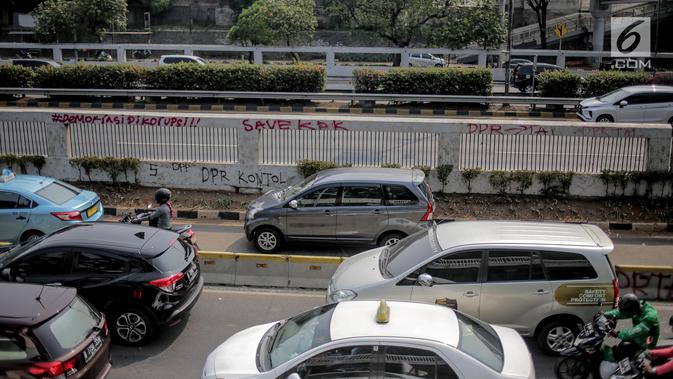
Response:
column 343, row 295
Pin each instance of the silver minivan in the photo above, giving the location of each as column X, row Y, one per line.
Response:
column 541, row 279
column 343, row 205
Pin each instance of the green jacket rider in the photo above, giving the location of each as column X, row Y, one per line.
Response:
column 645, row 329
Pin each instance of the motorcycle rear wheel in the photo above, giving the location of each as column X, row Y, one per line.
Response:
column 573, row 368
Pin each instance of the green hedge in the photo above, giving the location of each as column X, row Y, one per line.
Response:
column 122, row 76
column 425, row 81
column 559, row 84
column 16, row 76
column 238, row 77
column 601, row 82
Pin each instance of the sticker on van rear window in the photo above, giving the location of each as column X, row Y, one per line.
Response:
column 585, row 294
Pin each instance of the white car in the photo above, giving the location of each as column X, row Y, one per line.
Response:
column 645, row 103
column 174, row 59
column 425, row 60
column 371, row 339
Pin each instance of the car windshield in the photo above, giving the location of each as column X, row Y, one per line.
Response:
column 58, row 192
column 73, row 325
column 613, row 97
column 407, row 253
column 480, row 341
column 300, row 334
column 17, row 250
column 293, row 190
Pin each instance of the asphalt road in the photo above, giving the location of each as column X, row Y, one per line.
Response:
column 181, row 351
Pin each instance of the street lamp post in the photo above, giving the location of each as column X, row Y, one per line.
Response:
column 509, row 47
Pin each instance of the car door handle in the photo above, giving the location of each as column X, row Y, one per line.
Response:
column 470, row 294
column 542, row 292
column 21, row 218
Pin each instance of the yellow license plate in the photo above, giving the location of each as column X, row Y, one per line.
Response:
column 92, row 211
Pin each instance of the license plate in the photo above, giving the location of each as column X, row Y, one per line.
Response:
column 92, row 211
column 191, row 274
column 93, row 348
column 624, row 366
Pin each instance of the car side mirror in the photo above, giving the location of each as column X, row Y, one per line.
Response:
column 293, row 204
column 623, row 103
column 294, row 375
column 425, row 280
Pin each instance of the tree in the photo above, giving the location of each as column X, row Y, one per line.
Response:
column 540, row 9
column 154, row 6
column 97, row 16
column 275, row 21
column 54, row 20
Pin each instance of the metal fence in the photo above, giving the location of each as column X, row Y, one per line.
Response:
column 579, row 154
column 23, row 138
column 356, row 148
column 156, row 143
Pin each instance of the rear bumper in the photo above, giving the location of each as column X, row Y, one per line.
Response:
column 188, row 304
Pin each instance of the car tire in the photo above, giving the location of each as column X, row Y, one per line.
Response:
column 268, row 240
column 572, row 368
column 131, row 326
column 31, row 235
column 556, row 335
column 390, row 239
column 439, row 65
column 605, row 118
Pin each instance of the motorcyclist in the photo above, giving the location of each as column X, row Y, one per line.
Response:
column 162, row 216
column 664, row 370
column 643, row 334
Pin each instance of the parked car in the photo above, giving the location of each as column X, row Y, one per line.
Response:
column 522, row 77
column 515, row 62
column 35, row 63
column 425, row 60
column 51, row 332
column 142, row 278
column 646, row 103
column 32, row 206
column 541, row 279
column 368, row 339
column 343, row 205
column 174, row 59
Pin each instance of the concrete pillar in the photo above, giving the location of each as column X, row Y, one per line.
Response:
column 57, row 54
column 330, row 62
column 481, row 60
column 599, row 14
column 248, row 149
column 561, row 59
column 659, row 153
column 404, row 59
column 121, row 55
column 257, row 55
column 188, row 52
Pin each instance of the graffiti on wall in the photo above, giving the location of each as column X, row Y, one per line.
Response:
column 601, row 131
column 497, row 129
column 647, row 285
column 117, row 119
column 220, row 176
column 281, row 124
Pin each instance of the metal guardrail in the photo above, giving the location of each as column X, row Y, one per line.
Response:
column 317, row 96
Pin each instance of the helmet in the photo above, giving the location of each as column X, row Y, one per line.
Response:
column 162, row 195
column 629, row 304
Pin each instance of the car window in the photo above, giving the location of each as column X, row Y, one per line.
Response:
column 408, row 362
column 415, row 55
column 354, row 196
column 172, row 259
column 24, row 203
column 69, row 328
column 44, row 263
column 567, row 266
column 58, row 192
column 460, row 267
column 93, row 262
column 342, row 362
column 427, row 191
column 512, row 266
column 409, row 252
column 8, row 200
column 663, row 98
column 427, row 56
column 292, row 190
column 480, row 341
column 640, row 98
column 16, row 348
column 613, row 97
column 399, row 195
column 323, row 197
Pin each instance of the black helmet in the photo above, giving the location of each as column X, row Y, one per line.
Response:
column 162, row 195
column 629, row 304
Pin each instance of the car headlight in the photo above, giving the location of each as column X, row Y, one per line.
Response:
column 343, row 295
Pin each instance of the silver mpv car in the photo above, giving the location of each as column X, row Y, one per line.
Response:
column 344, row 205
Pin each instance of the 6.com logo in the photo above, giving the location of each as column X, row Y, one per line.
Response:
column 630, row 37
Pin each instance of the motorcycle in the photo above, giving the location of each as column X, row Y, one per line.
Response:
column 632, row 368
column 583, row 359
column 141, row 54
column 185, row 232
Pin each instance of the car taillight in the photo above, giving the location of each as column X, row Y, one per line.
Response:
column 69, row 366
column 167, row 284
column 428, row 213
column 47, row 370
column 615, row 287
column 68, row 216
column 106, row 331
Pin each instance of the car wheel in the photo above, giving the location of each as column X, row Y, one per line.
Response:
column 556, row 336
column 31, row 235
column 572, row 368
column 268, row 240
column 390, row 239
column 132, row 326
column 439, row 65
column 605, row 118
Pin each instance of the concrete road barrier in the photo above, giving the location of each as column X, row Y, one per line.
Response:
column 647, row 282
column 311, row 272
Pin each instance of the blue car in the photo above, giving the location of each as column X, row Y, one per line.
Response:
column 32, row 206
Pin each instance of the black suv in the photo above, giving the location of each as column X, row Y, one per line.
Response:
column 141, row 277
column 522, row 76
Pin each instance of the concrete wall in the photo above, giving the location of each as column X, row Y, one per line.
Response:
column 248, row 174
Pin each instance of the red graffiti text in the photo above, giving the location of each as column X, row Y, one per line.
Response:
column 176, row 122
column 647, row 285
column 252, row 125
column 497, row 129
